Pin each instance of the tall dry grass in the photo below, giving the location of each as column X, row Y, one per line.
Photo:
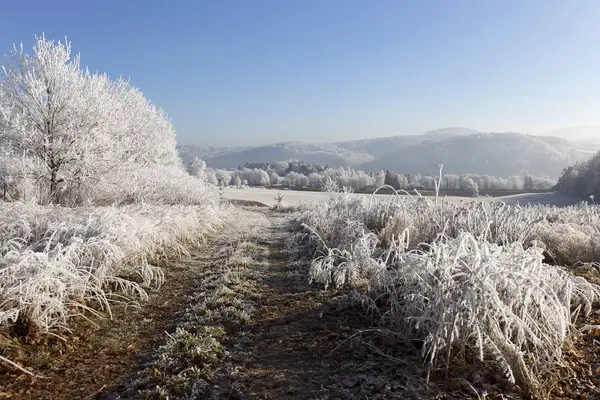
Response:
column 477, row 280
column 57, row 263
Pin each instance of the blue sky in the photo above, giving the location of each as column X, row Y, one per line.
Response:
column 253, row 72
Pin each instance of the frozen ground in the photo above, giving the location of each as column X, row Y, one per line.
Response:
column 292, row 197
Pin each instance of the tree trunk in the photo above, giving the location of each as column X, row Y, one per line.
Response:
column 53, row 183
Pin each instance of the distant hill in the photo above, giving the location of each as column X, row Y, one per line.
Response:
column 448, row 132
column 329, row 154
column 498, row 154
column 461, row 150
column 188, row 152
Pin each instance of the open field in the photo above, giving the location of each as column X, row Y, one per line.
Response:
column 294, row 198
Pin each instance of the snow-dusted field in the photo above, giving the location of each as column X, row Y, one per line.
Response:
column 293, row 197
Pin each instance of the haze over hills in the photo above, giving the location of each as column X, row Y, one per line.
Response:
column 585, row 136
column 447, row 132
column 461, row 150
column 578, row 133
column 497, row 154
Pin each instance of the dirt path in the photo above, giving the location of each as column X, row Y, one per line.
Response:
column 279, row 337
column 291, row 348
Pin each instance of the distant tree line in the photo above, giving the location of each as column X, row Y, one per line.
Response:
column 582, row 179
column 284, row 167
column 299, row 174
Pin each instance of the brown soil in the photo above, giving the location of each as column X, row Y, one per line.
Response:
column 249, row 203
column 97, row 356
column 299, row 344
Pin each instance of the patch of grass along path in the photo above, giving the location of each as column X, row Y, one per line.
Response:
column 187, row 364
column 97, row 353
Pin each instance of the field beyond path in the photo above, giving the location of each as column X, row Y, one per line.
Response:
column 297, row 197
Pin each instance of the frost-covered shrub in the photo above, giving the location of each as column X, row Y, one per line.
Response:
column 501, row 303
column 467, row 279
column 568, row 244
column 339, row 221
column 343, row 218
column 169, row 185
column 58, row 262
column 570, row 234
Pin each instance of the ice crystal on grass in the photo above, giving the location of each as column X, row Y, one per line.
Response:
column 469, row 280
column 55, row 260
column 501, row 302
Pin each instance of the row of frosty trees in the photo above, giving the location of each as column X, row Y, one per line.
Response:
column 582, row 179
column 298, row 174
column 68, row 136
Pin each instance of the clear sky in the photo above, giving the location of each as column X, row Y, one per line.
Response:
column 258, row 71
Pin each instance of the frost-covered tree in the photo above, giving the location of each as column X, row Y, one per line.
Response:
column 73, row 130
column 237, row 181
column 281, row 167
column 380, row 178
column 48, row 112
column 582, row 179
column 255, row 176
column 401, row 181
column 275, row 179
column 294, row 179
column 568, row 179
column 468, row 183
column 197, row 168
column 316, row 180
column 527, row 182
column 223, row 177
column 211, row 177
column 265, row 180
column 143, row 130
